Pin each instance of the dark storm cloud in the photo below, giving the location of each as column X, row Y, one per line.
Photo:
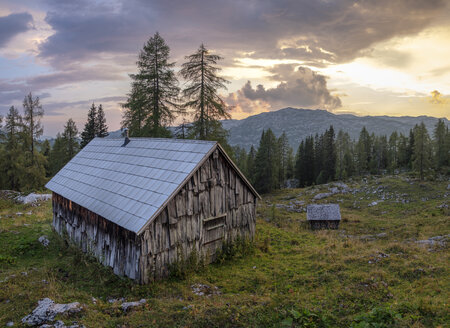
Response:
column 12, row 25
column 315, row 31
column 300, row 87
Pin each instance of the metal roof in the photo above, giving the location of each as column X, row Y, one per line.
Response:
column 329, row 212
column 130, row 185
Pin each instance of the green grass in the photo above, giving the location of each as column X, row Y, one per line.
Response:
column 290, row 277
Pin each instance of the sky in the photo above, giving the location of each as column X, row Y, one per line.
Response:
column 362, row 57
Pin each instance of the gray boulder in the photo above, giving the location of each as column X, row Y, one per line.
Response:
column 47, row 310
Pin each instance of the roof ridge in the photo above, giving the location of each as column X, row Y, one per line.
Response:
column 162, row 139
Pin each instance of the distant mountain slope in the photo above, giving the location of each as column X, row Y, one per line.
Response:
column 300, row 123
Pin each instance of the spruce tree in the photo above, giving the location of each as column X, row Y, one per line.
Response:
column 393, row 153
column 70, row 140
column 422, row 150
column 12, row 165
column 90, row 130
column 101, row 129
column 33, row 129
column 57, row 157
column 266, row 178
column 284, row 147
column 251, row 159
column 201, row 74
column 154, row 94
column 441, row 152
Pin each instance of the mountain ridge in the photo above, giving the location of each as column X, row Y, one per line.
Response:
column 298, row 123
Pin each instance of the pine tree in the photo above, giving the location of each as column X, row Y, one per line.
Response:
column 90, row 130
column 101, row 129
column 200, row 72
column 344, row 159
column 33, row 113
column 422, row 150
column 154, row 94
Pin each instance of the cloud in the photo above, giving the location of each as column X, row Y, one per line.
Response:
column 318, row 32
column 12, row 25
column 15, row 90
column 437, row 98
column 297, row 87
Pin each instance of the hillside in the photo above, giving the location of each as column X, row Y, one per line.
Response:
column 386, row 266
column 300, row 123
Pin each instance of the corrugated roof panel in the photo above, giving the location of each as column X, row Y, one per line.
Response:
column 127, row 185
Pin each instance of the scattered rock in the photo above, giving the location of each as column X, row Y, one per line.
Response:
column 44, row 240
column 291, row 183
column 47, row 310
column 205, row 290
column 128, row 305
column 10, row 324
column 374, row 203
column 187, row 307
column 436, row 240
column 114, row 300
column 377, row 258
column 33, row 198
column 448, row 186
column 19, row 213
column 322, row 195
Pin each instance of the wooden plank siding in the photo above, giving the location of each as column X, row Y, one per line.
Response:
column 214, row 205
column 111, row 244
column 215, row 191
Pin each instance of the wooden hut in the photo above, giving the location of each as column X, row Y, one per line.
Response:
column 142, row 204
column 323, row 216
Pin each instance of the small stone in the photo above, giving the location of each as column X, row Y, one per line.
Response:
column 254, row 267
column 128, row 305
column 19, row 213
column 44, row 240
column 10, row 324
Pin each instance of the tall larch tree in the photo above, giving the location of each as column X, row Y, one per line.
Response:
column 200, row 72
column 89, row 131
column 153, row 99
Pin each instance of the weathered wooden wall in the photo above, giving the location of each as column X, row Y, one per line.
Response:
column 112, row 245
column 213, row 206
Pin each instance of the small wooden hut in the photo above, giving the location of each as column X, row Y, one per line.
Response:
column 323, row 216
column 142, row 204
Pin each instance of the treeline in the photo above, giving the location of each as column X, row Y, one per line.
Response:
column 328, row 157
column 28, row 162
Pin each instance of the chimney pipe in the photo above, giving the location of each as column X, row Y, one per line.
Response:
column 127, row 139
